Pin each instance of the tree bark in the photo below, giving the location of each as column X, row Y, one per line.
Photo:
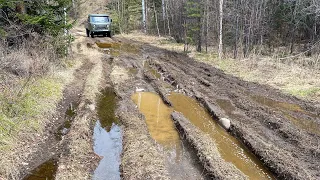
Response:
column 144, row 17
column 220, row 29
column 156, row 18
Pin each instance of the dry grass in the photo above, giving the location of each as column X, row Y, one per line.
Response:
column 78, row 162
column 207, row 150
column 31, row 86
column 292, row 76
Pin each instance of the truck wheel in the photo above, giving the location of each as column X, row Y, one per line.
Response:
column 104, row 34
column 92, row 35
column 88, row 32
column 109, row 34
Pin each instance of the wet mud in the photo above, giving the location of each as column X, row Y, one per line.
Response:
column 267, row 136
column 230, row 148
column 287, row 109
column 181, row 163
column 206, row 150
column 69, row 116
column 119, row 48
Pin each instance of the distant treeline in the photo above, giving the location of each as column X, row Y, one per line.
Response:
column 249, row 26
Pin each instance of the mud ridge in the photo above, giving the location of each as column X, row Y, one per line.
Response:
column 79, row 159
column 140, row 158
column 157, row 87
column 207, row 151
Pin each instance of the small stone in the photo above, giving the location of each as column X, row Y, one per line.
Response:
column 225, row 123
column 91, row 107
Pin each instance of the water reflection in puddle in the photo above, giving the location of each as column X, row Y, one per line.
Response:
column 107, row 137
column 182, row 164
column 229, row 147
column 108, row 145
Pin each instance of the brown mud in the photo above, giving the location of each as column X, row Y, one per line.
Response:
column 230, row 149
column 182, row 163
column 280, row 130
column 45, row 171
column 207, row 151
column 288, row 150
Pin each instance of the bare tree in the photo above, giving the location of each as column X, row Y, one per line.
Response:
column 220, row 29
column 144, row 17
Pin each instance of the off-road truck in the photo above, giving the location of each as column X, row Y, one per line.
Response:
column 98, row 24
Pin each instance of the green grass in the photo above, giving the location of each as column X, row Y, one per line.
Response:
column 29, row 110
column 307, row 92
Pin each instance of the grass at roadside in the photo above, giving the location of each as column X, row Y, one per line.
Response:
column 25, row 107
column 291, row 78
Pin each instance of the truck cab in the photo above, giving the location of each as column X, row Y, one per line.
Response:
column 98, row 24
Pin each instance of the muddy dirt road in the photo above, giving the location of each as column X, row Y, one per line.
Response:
column 162, row 115
column 276, row 133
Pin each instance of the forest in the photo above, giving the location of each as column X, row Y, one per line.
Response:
column 245, row 26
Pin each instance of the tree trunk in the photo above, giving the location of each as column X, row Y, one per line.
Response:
column 207, row 25
column 144, row 17
column 168, row 22
column 220, row 29
column 156, row 18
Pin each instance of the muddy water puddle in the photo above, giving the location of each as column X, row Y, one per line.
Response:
column 68, row 117
column 229, row 147
column 117, row 48
column 182, row 164
column 45, row 171
column 107, row 137
column 284, row 107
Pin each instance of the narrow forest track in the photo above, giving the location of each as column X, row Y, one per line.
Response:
column 280, row 130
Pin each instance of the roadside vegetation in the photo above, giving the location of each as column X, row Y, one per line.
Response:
column 34, row 69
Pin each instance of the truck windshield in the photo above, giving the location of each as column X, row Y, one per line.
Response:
column 99, row 19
